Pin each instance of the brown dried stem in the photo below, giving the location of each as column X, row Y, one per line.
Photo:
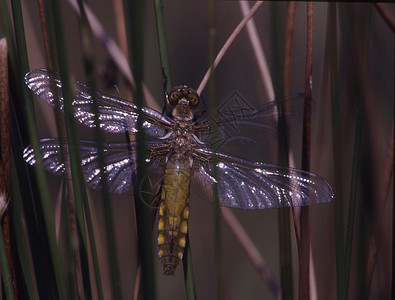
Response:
column 251, row 250
column 227, row 44
column 304, row 246
column 5, row 162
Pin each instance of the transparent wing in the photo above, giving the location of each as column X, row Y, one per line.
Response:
column 242, row 125
column 256, row 185
column 118, row 159
column 115, row 115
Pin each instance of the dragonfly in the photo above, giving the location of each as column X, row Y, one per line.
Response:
column 179, row 152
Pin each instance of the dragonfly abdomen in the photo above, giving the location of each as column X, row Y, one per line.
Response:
column 174, row 212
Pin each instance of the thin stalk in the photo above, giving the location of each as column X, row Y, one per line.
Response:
column 108, row 217
column 80, row 196
column 143, row 213
column 49, row 44
column 377, row 253
column 36, row 241
column 377, row 240
column 162, row 42
column 288, row 48
column 283, row 148
column 277, row 40
column 120, row 26
column 20, row 238
column 19, row 33
column 353, row 195
column 212, row 106
column 70, row 228
column 70, row 235
column 247, row 15
column 226, row 46
column 361, row 27
column 252, row 252
column 391, row 166
column 44, row 30
column 6, row 206
column 304, row 246
column 258, row 51
column 285, row 253
column 337, row 150
column 19, row 67
column 386, row 15
column 188, row 272
column 84, row 250
column 7, row 255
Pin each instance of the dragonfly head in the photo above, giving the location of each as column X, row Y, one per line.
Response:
column 183, row 101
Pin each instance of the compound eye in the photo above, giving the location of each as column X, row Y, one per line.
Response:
column 193, row 100
column 175, row 96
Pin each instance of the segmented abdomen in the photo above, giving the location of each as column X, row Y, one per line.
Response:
column 174, row 212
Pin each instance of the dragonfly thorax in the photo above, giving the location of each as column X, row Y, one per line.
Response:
column 181, row 138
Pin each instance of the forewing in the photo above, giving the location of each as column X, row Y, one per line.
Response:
column 115, row 115
column 246, row 126
column 119, row 161
column 256, row 185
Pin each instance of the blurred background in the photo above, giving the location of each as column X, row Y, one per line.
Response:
column 352, row 130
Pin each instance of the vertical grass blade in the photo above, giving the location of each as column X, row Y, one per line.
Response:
column 304, row 247
column 352, row 202
column 391, row 174
column 80, row 196
column 89, row 69
column 337, row 149
column 212, row 106
column 21, row 186
column 363, row 173
column 7, row 259
column 26, row 118
column 283, row 149
column 164, row 56
column 20, row 240
column 188, row 272
column 135, row 13
column 70, row 235
column 277, row 35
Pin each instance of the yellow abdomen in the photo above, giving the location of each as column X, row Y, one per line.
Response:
column 174, row 212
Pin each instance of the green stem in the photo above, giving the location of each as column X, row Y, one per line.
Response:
column 143, row 212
